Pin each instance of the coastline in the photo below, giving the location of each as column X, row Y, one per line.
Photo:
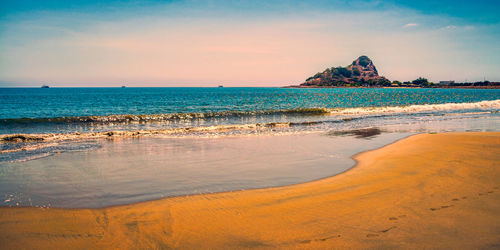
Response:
column 387, row 200
column 389, row 87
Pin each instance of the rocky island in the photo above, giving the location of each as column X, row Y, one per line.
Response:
column 363, row 73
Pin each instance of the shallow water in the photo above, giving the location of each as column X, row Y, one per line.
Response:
column 132, row 170
column 67, row 110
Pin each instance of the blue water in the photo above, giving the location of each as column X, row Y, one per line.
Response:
column 95, row 147
column 85, row 114
column 69, row 110
column 64, row 102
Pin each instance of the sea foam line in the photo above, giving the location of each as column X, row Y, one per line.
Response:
column 130, row 118
column 495, row 104
column 15, row 138
column 49, row 137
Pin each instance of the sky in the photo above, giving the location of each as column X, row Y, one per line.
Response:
column 242, row 43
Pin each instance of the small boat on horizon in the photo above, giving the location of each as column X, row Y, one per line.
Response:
column 45, row 86
column 124, row 87
column 220, row 86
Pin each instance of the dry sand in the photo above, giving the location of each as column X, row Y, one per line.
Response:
column 426, row 191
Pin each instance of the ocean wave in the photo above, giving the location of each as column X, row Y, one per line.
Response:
column 164, row 117
column 49, row 137
column 29, row 147
column 144, row 118
column 335, row 118
column 495, row 104
column 22, row 151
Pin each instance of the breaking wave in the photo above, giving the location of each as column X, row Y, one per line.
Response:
column 27, row 146
column 50, row 137
column 164, row 117
column 144, row 118
column 495, row 104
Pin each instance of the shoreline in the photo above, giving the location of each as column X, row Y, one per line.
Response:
column 389, row 87
column 300, row 215
column 352, row 166
column 132, row 132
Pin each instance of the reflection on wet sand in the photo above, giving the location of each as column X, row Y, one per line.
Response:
column 359, row 133
column 139, row 169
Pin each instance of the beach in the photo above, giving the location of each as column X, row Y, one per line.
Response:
column 249, row 124
column 425, row 191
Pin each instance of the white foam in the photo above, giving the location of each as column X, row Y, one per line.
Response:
column 495, row 104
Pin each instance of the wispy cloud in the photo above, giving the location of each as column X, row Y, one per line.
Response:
column 409, row 25
column 458, row 28
column 449, row 27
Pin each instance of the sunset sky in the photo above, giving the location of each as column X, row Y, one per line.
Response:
column 242, row 43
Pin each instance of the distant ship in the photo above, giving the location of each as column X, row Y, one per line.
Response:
column 45, row 86
column 220, row 86
column 124, row 87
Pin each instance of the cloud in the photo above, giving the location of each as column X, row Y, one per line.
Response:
column 449, row 27
column 458, row 28
column 408, row 25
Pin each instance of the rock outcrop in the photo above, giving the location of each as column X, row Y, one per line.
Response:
column 362, row 72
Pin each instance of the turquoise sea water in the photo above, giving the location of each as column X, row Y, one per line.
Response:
column 55, row 110
column 95, row 147
column 179, row 112
column 65, row 102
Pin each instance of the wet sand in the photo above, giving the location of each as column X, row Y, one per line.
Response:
column 426, row 191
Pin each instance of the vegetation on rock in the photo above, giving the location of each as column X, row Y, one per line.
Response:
column 362, row 72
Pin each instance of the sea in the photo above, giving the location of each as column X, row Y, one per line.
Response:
column 98, row 147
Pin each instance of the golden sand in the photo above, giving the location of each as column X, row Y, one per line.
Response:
column 426, row 191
